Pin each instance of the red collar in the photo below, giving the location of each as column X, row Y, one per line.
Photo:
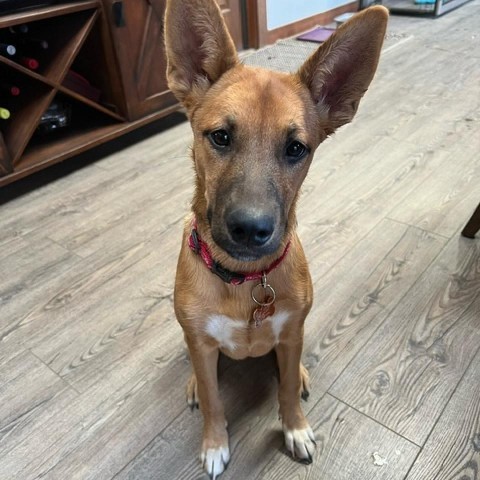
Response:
column 233, row 278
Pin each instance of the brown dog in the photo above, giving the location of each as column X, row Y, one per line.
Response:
column 255, row 132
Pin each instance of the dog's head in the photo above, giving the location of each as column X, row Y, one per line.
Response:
column 255, row 131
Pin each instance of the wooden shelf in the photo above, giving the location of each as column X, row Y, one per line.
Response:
column 90, row 103
column 40, row 156
column 25, row 71
column 5, row 162
column 73, row 31
column 46, row 12
column 79, row 37
column 25, row 109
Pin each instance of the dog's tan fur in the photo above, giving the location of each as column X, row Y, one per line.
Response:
column 263, row 107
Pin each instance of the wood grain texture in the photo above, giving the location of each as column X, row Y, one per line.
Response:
column 453, row 449
column 346, row 441
column 140, row 53
column 30, row 396
column 248, row 389
column 451, row 192
column 344, row 317
column 27, row 273
column 77, row 442
column 46, row 12
column 346, row 444
column 406, row 373
column 232, row 14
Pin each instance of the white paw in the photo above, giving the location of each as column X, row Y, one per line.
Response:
column 215, row 460
column 300, row 443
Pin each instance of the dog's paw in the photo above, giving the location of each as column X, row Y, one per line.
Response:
column 300, row 443
column 215, row 460
column 192, row 395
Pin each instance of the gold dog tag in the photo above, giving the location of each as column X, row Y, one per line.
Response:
column 263, row 312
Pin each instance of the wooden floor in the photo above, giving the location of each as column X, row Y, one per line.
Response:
column 92, row 362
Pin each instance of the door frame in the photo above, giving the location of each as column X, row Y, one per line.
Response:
column 255, row 23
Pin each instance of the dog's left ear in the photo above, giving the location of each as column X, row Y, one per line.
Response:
column 199, row 48
column 340, row 71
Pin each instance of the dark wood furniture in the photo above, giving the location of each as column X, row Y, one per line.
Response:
column 473, row 225
column 116, row 46
column 232, row 14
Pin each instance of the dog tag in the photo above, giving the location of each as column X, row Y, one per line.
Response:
column 263, row 312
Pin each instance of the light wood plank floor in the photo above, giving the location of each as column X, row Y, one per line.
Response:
column 92, row 362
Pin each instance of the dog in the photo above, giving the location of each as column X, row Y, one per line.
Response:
column 243, row 286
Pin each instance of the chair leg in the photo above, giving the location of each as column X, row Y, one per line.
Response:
column 473, row 225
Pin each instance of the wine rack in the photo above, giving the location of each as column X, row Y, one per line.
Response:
column 77, row 45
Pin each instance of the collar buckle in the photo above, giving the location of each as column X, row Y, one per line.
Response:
column 227, row 275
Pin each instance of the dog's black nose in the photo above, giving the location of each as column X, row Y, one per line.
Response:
column 250, row 228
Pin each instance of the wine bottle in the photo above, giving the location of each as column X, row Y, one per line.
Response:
column 4, row 113
column 10, row 90
column 7, row 49
column 23, row 28
column 29, row 62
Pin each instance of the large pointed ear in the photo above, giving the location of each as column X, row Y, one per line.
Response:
column 199, row 47
column 340, row 71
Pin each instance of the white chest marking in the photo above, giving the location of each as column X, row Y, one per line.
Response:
column 278, row 321
column 222, row 329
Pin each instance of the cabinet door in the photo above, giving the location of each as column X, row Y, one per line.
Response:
column 137, row 30
column 232, row 14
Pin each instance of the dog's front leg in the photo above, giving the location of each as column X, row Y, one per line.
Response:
column 299, row 437
column 215, row 453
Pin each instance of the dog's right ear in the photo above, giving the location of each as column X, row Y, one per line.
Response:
column 199, row 48
column 340, row 71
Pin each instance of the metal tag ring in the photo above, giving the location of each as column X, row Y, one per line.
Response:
column 265, row 288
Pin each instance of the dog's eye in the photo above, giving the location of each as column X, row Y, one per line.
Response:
column 220, row 138
column 296, row 150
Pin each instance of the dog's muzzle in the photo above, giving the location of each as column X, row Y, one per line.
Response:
column 248, row 234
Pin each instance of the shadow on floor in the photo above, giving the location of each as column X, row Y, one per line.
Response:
column 59, row 170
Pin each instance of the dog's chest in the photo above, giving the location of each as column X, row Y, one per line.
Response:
column 240, row 339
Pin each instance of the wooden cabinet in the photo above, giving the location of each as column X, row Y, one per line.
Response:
column 233, row 18
column 113, row 47
column 137, row 31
